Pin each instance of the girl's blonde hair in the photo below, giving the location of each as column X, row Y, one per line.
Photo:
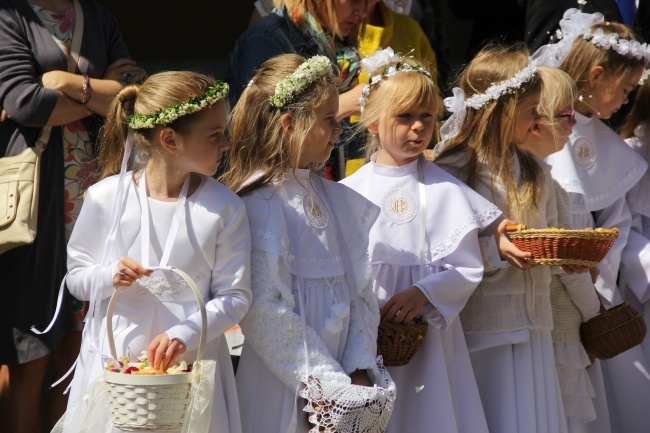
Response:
column 259, row 143
column 322, row 10
column 399, row 93
column 558, row 91
column 584, row 55
column 640, row 112
column 158, row 92
column 487, row 133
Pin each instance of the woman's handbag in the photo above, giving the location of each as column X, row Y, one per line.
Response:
column 19, row 174
column 19, row 195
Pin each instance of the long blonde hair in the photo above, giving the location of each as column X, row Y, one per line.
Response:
column 558, row 90
column 399, row 93
column 158, row 92
column 259, row 143
column 487, row 133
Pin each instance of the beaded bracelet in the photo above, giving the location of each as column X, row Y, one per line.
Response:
column 85, row 92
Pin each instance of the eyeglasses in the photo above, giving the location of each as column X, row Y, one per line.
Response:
column 571, row 115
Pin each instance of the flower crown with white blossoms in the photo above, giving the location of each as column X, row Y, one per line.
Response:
column 575, row 24
column 215, row 93
column 308, row 72
column 383, row 58
column 458, row 104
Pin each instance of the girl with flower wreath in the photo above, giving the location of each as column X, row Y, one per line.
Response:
column 507, row 320
column 573, row 297
column 313, row 311
column 597, row 168
column 166, row 211
column 424, row 247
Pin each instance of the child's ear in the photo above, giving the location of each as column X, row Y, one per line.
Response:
column 372, row 128
column 596, row 74
column 536, row 130
column 286, row 120
column 168, row 140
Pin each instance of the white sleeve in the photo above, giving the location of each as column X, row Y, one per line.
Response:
column 359, row 353
column 275, row 332
column 449, row 290
column 85, row 250
column 230, row 293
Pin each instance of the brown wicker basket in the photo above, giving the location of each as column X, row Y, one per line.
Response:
column 613, row 332
column 398, row 342
column 563, row 247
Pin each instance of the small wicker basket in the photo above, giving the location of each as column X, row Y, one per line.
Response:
column 613, row 332
column 151, row 403
column 398, row 342
column 563, row 247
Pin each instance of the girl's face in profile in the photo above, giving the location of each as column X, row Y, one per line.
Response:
column 611, row 93
column 525, row 117
column 203, row 146
column 323, row 134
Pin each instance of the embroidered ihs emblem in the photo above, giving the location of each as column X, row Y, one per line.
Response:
column 315, row 211
column 399, row 207
column 584, row 152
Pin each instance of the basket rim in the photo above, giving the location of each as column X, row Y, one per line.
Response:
column 144, row 379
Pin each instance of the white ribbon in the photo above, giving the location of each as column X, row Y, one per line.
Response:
column 455, row 105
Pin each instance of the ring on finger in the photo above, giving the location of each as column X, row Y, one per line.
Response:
column 128, row 77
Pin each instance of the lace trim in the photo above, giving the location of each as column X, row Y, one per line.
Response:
column 436, row 251
column 621, row 185
column 172, row 285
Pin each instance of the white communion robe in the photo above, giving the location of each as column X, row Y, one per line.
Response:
column 295, row 242
column 212, row 245
column 597, row 169
column 635, row 263
column 436, row 391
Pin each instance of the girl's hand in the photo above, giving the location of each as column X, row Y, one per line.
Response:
column 128, row 270
column 360, row 377
column 163, row 351
column 121, row 69
column 404, row 305
column 508, row 251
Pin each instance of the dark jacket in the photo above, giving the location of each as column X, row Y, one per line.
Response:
column 268, row 37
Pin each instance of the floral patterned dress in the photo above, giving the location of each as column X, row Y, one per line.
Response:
column 78, row 149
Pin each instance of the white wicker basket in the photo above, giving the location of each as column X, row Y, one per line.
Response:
column 148, row 403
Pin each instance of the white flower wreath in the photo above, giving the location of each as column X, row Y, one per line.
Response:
column 384, row 58
column 311, row 70
column 215, row 93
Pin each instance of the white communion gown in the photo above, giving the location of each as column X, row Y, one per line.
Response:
column 212, row 245
column 436, row 391
column 295, row 242
column 597, row 169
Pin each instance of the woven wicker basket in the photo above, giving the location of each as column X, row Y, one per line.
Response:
column 398, row 342
column 151, row 403
column 563, row 247
column 613, row 332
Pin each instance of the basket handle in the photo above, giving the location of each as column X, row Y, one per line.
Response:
column 199, row 300
column 516, row 227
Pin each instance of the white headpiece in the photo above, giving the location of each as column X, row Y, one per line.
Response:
column 383, row 58
column 576, row 24
column 457, row 104
column 644, row 77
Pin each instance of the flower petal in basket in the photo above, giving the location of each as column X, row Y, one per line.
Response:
column 558, row 247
